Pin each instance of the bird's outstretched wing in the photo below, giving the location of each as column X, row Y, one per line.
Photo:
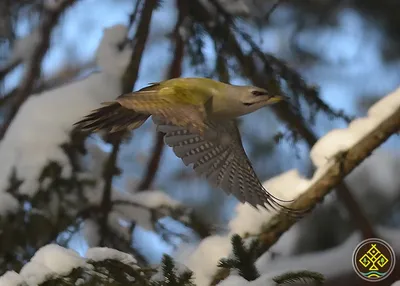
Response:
column 131, row 110
column 219, row 156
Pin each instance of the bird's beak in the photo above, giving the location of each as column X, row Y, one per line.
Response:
column 277, row 98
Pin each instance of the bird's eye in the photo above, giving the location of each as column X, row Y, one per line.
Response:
column 259, row 93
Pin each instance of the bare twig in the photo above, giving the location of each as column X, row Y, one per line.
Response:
column 110, row 170
column 8, row 68
column 142, row 32
column 174, row 71
column 64, row 76
column 153, row 164
column 33, row 68
column 272, row 9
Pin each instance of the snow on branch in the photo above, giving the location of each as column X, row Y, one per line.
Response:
column 55, row 265
column 330, row 263
column 33, row 65
column 335, row 155
column 27, row 146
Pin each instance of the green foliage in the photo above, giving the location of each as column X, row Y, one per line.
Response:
column 243, row 260
column 171, row 276
column 305, row 277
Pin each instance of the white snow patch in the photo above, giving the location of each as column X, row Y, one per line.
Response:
column 397, row 283
column 11, row 278
column 332, row 263
column 8, row 204
column 51, row 260
column 153, row 199
column 286, row 186
column 204, row 259
column 104, row 253
column 142, row 204
column 44, row 121
column 235, row 280
column 342, row 139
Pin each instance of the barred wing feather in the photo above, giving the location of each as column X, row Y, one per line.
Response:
column 219, row 156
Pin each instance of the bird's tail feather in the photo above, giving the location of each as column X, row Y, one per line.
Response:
column 112, row 117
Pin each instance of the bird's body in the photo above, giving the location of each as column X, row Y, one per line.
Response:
column 197, row 116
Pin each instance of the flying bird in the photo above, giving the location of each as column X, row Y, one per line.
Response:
column 198, row 118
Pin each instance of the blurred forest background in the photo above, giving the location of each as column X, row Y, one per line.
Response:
column 61, row 58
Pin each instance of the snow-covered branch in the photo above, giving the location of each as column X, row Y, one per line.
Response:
column 335, row 155
column 55, row 265
column 330, row 263
column 33, row 64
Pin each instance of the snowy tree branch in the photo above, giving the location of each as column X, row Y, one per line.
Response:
column 334, row 171
column 33, row 66
column 175, row 70
column 342, row 165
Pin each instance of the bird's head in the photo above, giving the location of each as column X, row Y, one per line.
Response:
column 254, row 98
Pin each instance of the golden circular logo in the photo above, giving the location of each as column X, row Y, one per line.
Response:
column 373, row 259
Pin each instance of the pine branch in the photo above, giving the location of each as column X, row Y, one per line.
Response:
column 175, row 71
column 244, row 259
column 33, row 67
column 304, row 277
column 171, row 277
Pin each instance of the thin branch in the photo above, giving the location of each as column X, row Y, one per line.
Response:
column 272, row 9
column 63, row 77
column 9, row 68
column 153, row 164
column 110, row 170
column 128, row 82
column 142, row 32
column 33, row 67
column 174, row 71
